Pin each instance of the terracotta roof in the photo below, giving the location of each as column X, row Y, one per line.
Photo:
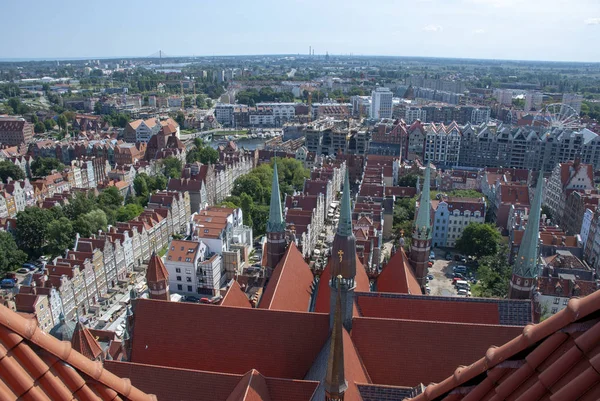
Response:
column 172, row 384
column 156, row 269
column 235, row 297
column 84, row 343
column 37, row 366
column 289, row 287
column 252, row 387
column 398, row 276
column 180, row 250
column 324, row 290
column 429, row 350
column 299, row 338
column 553, row 360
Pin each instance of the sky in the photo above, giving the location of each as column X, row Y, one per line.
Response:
column 553, row 30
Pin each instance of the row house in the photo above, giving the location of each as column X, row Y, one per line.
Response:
column 568, row 177
column 179, row 205
column 442, row 144
column 38, row 306
column 456, row 179
column 577, row 203
column 367, row 228
column 305, row 219
column 452, row 215
column 139, row 241
column 23, row 162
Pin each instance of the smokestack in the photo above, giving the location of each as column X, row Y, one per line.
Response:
column 309, row 50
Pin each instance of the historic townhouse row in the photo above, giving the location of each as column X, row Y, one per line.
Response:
column 97, row 265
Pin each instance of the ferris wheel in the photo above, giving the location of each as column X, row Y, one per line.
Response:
column 557, row 115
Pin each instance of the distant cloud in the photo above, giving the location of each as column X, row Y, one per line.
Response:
column 592, row 21
column 479, row 31
column 433, row 28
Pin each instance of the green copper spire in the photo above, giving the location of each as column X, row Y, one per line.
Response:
column 344, row 227
column 526, row 264
column 423, row 222
column 275, row 223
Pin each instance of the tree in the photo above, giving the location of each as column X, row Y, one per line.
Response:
column 247, row 184
column 110, row 198
column 546, row 210
column 479, row 240
column 49, row 124
column 260, row 215
column 494, row 275
column 172, row 167
column 409, row 180
column 140, row 186
column 61, row 121
column 204, row 155
column 8, row 169
column 129, row 212
column 11, row 256
column 97, row 219
column 79, row 205
column 42, row 166
column 39, row 127
column 180, row 118
column 31, row 230
column 160, row 183
column 60, row 236
column 247, row 205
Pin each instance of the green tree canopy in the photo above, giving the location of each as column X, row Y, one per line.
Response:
column 110, row 198
column 11, row 257
column 140, row 185
column 479, row 240
column 247, row 206
column 42, row 166
column 409, row 180
column 494, row 275
column 8, row 169
column 39, row 127
column 172, row 166
column 247, row 184
column 129, row 212
column 31, row 231
column 60, row 236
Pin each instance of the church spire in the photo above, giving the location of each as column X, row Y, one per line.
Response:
column 423, row 222
column 421, row 236
column 335, row 381
column 275, row 222
column 526, row 264
column 276, row 241
column 344, row 227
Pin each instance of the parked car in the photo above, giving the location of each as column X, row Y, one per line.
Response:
column 459, row 275
column 429, row 264
column 464, row 292
column 23, row 270
column 459, row 269
column 204, row 300
column 449, row 256
column 190, row 298
column 29, row 266
column 7, row 283
column 430, row 277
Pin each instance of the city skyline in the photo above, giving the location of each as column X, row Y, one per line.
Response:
column 475, row 29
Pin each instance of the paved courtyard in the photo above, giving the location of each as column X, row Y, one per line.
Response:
column 441, row 270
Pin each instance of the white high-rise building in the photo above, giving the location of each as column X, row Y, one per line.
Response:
column 381, row 103
column 503, row 96
column 533, row 101
column 574, row 100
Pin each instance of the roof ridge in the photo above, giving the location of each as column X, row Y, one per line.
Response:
column 63, row 350
column 284, row 263
column 577, row 308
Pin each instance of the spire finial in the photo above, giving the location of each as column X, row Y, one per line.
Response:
column 275, row 222
column 335, row 381
column 526, row 263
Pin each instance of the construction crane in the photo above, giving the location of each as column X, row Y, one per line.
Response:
column 309, row 106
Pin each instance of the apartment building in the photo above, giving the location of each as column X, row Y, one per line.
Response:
column 381, row 103
column 442, row 144
column 452, row 215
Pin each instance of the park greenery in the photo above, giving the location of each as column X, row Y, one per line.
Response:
column 43, row 166
column 11, row 256
column 202, row 153
column 10, row 170
column 494, row 273
column 252, row 192
column 479, row 240
column 252, row 96
column 172, row 167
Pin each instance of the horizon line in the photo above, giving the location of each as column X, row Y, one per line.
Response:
column 346, row 55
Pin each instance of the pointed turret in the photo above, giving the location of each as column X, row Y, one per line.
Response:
column 343, row 260
column 157, row 278
column 335, row 381
column 276, row 242
column 421, row 237
column 525, row 268
column 84, row 342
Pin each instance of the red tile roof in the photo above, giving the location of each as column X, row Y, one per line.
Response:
column 429, row 351
column 289, row 287
column 398, row 276
column 428, row 308
column 323, row 292
column 297, row 338
column 37, row 366
column 252, row 387
column 156, row 270
column 553, row 360
column 171, row 384
column 235, row 297
column 84, row 343
column 354, row 369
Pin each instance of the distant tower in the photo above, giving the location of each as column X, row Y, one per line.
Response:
column 84, row 342
column 157, row 278
column 421, row 237
column 343, row 260
column 335, row 380
column 276, row 242
column 525, row 268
